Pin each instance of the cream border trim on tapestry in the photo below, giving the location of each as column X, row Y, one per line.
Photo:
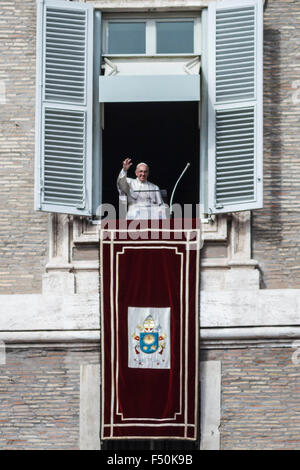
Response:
column 187, row 243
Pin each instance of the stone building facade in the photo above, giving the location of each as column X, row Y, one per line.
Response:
column 49, row 272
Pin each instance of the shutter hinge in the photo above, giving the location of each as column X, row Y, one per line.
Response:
column 41, row 193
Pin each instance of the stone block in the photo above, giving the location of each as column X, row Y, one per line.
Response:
column 58, row 283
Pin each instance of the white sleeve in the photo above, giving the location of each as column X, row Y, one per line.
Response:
column 158, row 196
column 122, row 182
column 162, row 208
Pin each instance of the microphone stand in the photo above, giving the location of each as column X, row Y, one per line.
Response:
column 172, row 195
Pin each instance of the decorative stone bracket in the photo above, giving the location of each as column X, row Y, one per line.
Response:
column 237, row 270
column 67, row 275
column 63, row 274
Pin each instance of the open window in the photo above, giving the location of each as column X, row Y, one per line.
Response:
column 151, row 35
column 165, row 134
column 152, row 44
column 150, row 58
column 148, row 66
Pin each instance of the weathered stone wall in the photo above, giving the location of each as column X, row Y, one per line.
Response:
column 40, row 397
column 276, row 228
column 23, row 232
column 260, row 398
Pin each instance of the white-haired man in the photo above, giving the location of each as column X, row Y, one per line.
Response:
column 144, row 199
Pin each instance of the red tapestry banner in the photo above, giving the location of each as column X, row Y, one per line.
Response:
column 149, row 330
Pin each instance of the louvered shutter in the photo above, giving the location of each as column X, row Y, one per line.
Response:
column 64, row 107
column 235, row 105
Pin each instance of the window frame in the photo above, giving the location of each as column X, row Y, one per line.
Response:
column 150, row 32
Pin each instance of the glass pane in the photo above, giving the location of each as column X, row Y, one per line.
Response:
column 126, row 38
column 174, row 37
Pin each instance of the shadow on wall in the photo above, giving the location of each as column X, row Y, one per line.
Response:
column 272, row 128
column 267, row 226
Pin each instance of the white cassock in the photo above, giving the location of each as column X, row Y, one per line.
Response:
column 144, row 199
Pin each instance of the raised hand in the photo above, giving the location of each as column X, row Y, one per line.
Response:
column 127, row 164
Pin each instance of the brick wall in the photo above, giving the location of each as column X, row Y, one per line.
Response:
column 276, row 237
column 39, row 406
column 39, row 388
column 276, row 228
column 23, row 232
column 260, row 399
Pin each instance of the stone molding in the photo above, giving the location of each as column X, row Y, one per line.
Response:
column 89, row 407
column 157, row 5
column 64, row 274
column 230, row 316
column 210, row 415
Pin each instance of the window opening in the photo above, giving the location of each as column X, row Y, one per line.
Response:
column 164, row 135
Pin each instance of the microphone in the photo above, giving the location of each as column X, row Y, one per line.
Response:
column 172, row 195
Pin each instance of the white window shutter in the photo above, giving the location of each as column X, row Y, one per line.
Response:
column 64, row 107
column 235, row 106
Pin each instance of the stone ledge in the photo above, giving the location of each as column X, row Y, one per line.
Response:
column 223, row 308
column 257, row 307
column 38, row 312
column 53, row 337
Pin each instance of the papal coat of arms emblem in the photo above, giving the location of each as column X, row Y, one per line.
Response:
column 149, row 340
column 149, row 334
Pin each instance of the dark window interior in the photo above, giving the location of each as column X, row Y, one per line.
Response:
column 165, row 445
column 164, row 135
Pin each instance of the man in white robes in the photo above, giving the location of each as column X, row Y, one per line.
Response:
column 144, row 199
